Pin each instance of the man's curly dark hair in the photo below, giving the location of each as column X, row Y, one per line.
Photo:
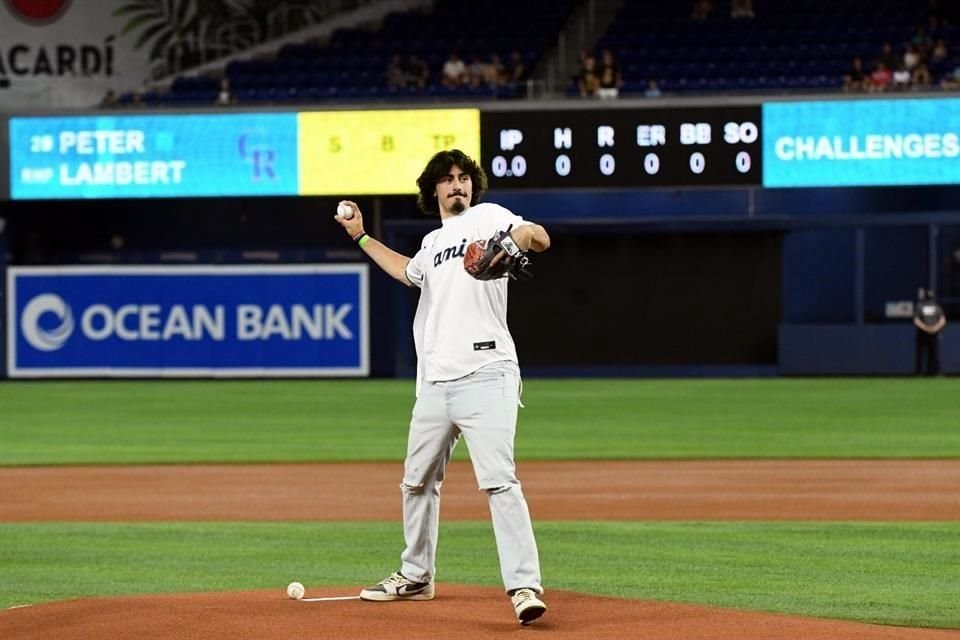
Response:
column 439, row 166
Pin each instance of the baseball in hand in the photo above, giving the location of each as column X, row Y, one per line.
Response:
column 295, row 590
column 344, row 211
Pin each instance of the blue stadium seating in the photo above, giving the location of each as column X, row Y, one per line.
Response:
column 802, row 45
column 353, row 64
column 797, row 45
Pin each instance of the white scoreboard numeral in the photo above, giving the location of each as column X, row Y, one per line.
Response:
column 518, row 166
column 651, row 163
column 607, row 164
column 744, row 162
column 498, row 166
column 697, row 162
column 562, row 165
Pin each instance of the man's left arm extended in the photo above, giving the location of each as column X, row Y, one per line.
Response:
column 531, row 237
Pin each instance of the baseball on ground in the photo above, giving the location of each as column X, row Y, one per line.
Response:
column 344, row 211
column 295, row 590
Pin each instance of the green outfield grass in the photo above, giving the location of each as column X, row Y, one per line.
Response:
column 902, row 574
column 116, row 422
column 894, row 573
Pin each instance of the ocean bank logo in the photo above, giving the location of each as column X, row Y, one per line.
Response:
column 44, row 339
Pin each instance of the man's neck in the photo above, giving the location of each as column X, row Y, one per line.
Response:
column 447, row 213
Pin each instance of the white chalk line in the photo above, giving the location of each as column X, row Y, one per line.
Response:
column 19, row 606
column 329, row 599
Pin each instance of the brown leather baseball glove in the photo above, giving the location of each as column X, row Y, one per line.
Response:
column 497, row 257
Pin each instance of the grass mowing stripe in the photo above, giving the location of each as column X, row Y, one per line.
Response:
column 117, row 422
column 893, row 573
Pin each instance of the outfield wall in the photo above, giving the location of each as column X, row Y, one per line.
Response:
column 844, row 349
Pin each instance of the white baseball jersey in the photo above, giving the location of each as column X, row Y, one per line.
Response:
column 461, row 322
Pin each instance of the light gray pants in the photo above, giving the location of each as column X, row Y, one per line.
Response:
column 483, row 407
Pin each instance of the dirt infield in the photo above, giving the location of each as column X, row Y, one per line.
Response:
column 458, row 613
column 704, row 490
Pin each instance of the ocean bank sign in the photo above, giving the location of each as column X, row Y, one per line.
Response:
column 861, row 143
column 309, row 320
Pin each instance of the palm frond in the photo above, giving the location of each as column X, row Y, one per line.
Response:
column 160, row 46
column 239, row 7
column 138, row 4
column 136, row 23
column 150, row 33
column 183, row 13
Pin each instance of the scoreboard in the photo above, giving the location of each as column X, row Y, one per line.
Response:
column 597, row 145
column 127, row 155
column 622, row 148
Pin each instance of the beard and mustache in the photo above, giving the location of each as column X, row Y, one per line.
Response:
column 458, row 206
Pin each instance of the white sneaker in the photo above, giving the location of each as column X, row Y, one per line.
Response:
column 528, row 605
column 396, row 587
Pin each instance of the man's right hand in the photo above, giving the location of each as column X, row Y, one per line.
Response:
column 353, row 226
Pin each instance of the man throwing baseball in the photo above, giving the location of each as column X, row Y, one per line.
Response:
column 468, row 379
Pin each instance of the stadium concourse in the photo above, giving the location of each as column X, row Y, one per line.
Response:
column 700, row 491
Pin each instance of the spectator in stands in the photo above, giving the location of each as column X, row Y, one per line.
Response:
column 701, row 9
column 496, row 72
column 454, row 71
column 856, row 78
column 911, row 58
column 921, row 40
column 610, row 78
column 417, row 72
column 477, row 72
column 929, row 320
column 880, row 78
column 741, row 9
column 588, row 80
column 921, row 76
column 109, row 100
column 396, row 74
column 517, row 68
column 901, row 78
column 887, row 56
column 652, row 90
column 939, row 52
column 224, row 97
column 951, row 81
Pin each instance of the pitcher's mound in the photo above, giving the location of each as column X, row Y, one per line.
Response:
column 459, row 612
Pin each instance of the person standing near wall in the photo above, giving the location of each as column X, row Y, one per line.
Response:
column 930, row 321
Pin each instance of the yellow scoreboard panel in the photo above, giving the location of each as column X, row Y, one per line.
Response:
column 350, row 153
